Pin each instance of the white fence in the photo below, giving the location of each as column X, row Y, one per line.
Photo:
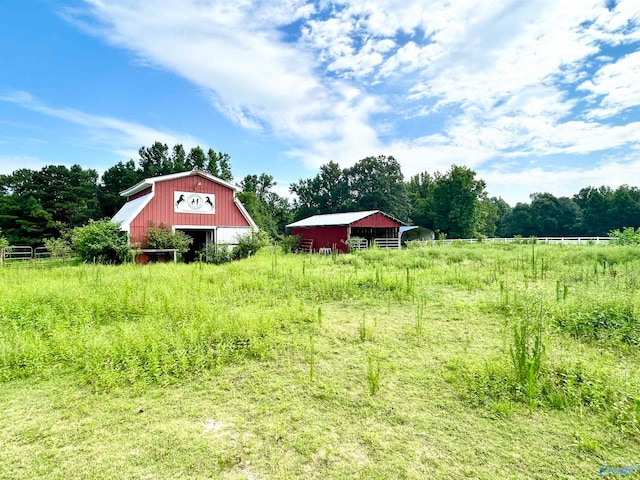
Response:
column 561, row 240
column 358, row 243
column 387, row 242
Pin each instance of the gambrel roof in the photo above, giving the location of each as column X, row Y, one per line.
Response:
column 150, row 182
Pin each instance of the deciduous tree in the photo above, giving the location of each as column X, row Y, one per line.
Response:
column 377, row 183
column 457, row 198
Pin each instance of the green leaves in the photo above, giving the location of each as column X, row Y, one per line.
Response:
column 373, row 183
column 161, row 237
column 101, row 242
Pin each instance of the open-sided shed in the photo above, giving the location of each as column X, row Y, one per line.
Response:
column 335, row 229
column 203, row 206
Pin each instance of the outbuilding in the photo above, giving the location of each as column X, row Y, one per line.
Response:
column 336, row 230
column 201, row 205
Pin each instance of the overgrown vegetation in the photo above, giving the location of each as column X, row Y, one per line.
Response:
column 626, row 236
column 58, row 247
column 290, row 243
column 246, row 245
column 439, row 361
column 101, row 242
column 249, row 243
column 161, row 237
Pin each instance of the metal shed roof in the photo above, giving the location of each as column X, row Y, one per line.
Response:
column 130, row 210
column 336, row 219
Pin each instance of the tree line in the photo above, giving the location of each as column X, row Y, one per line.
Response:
column 45, row 203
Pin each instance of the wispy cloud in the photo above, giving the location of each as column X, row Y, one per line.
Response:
column 11, row 163
column 561, row 182
column 235, row 51
column 122, row 137
column 615, row 86
column 486, row 80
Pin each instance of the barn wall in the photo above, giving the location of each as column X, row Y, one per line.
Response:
column 377, row 220
column 139, row 194
column 160, row 208
column 230, row 235
column 324, row 237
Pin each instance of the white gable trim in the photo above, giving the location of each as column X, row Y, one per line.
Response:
column 150, row 182
column 245, row 214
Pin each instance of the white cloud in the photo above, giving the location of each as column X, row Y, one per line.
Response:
column 618, row 85
column 11, row 163
column 491, row 79
column 564, row 182
column 122, row 137
column 233, row 50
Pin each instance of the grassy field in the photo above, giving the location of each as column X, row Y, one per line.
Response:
column 443, row 361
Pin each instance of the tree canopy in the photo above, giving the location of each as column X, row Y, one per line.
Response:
column 270, row 211
column 453, row 204
column 39, row 204
column 373, row 183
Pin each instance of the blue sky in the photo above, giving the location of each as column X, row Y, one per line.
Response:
column 535, row 96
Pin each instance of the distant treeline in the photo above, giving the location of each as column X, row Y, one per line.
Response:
column 39, row 204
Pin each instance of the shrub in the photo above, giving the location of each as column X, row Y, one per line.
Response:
column 58, row 247
column 290, row 243
column 249, row 243
column 161, row 237
column 217, row 254
column 628, row 236
column 102, row 242
column 354, row 243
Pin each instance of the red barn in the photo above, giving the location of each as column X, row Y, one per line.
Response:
column 333, row 230
column 201, row 205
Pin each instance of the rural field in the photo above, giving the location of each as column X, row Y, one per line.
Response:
column 438, row 361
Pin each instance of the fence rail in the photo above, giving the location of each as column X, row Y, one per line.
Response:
column 561, row 240
column 358, row 244
column 387, row 242
column 548, row 240
column 14, row 255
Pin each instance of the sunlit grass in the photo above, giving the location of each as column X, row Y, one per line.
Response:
column 382, row 364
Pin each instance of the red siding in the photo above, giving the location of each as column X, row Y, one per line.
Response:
column 139, row 194
column 377, row 220
column 160, row 208
column 324, row 237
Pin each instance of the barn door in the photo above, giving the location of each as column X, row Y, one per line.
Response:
column 211, row 237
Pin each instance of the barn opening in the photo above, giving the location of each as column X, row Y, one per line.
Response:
column 372, row 233
column 201, row 239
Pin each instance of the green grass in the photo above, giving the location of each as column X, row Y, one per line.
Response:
column 381, row 364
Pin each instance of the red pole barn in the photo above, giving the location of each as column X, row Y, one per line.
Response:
column 201, row 205
column 332, row 231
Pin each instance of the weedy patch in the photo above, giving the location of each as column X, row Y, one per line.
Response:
column 438, row 361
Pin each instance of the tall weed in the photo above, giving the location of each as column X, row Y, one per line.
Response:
column 527, row 350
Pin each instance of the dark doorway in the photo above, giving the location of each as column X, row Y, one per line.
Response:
column 198, row 245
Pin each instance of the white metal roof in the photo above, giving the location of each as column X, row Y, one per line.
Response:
column 333, row 219
column 149, row 182
column 130, row 210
